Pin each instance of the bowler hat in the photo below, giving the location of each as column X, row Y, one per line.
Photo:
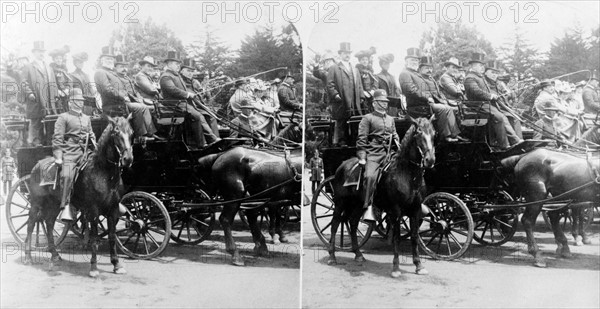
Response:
column 413, row 52
column 426, row 61
column 492, row 65
column 107, row 51
column 148, row 60
column 83, row 56
column 189, row 63
column 60, row 51
column 345, row 48
column 380, row 95
column 38, row 45
column 545, row 83
column 121, row 59
column 386, row 58
column 477, row 57
column 173, row 56
column 453, row 61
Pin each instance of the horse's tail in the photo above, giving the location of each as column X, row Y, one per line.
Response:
column 511, row 162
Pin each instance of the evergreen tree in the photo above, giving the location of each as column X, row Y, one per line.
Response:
column 518, row 55
column 210, row 53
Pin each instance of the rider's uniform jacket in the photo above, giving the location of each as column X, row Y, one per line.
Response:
column 374, row 133
column 70, row 131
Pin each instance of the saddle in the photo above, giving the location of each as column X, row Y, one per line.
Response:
column 49, row 173
column 354, row 176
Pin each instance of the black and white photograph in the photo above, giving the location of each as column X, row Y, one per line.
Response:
column 451, row 156
column 151, row 155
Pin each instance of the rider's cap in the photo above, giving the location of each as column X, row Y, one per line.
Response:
column 380, row 95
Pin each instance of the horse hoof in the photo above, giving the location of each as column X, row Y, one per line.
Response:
column 360, row 259
column 540, row 264
column 275, row 239
column 396, row 274
column 94, row 273
column 56, row 259
column 331, row 262
column 238, row 262
column 567, row 255
column 578, row 241
column 120, row 271
column 283, row 239
column 27, row 261
column 422, row 271
column 587, row 241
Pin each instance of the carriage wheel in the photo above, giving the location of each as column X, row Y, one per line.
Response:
column 446, row 232
column 262, row 219
column 78, row 229
column 590, row 214
column 143, row 232
column 192, row 226
column 293, row 214
column 321, row 211
column 494, row 227
column 17, row 214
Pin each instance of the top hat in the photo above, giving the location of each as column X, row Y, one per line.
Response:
column 107, row 51
column 426, row 60
column 386, row 58
column 189, row 63
column 60, row 51
column 83, row 56
column 413, row 52
column 492, row 65
column 546, row 83
column 380, row 95
column 453, row 61
column 173, row 56
column 345, row 48
column 286, row 75
column 76, row 94
column 38, row 45
column 148, row 60
column 594, row 75
column 121, row 59
column 477, row 57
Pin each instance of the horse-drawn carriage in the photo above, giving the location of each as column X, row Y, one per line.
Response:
column 173, row 191
column 473, row 193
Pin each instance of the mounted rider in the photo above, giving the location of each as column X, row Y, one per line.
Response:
column 375, row 133
column 72, row 135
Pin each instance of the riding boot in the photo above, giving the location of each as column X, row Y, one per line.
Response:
column 370, row 181
column 368, row 215
column 67, row 212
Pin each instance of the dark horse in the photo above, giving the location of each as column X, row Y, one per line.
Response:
column 241, row 172
column 542, row 172
column 96, row 191
column 399, row 192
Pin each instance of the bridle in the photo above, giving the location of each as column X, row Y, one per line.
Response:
column 422, row 153
column 115, row 132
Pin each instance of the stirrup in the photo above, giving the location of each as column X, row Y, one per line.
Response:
column 369, row 215
column 66, row 214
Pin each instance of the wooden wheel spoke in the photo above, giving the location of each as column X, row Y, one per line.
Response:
column 24, row 207
column 484, row 230
column 328, row 225
column 324, row 216
column 18, row 216
column 153, row 240
column 329, row 208
column 448, row 245
column 456, row 241
column 137, row 240
column 503, row 223
column 128, row 239
column 145, row 243
column 200, row 221
column 155, row 230
column 459, row 232
column 458, row 222
column 431, row 240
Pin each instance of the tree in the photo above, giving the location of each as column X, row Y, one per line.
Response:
column 210, row 53
column 137, row 40
column 518, row 55
column 570, row 54
column 454, row 39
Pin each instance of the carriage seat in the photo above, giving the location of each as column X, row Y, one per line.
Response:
column 473, row 114
column 167, row 113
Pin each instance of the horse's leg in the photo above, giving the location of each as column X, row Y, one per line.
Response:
column 112, row 219
column 272, row 214
column 33, row 216
column 94, row 245
column 584, row 238
column 414, row 233
column 354, row 220
column 396, row 241
column 575, row 223
column 280, row 213
column 562, row 244
column 226, row 219
column 529, row 216
column 335, row 222
column 260, row 246
column 50, row 219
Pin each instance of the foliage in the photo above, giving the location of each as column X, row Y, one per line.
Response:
column 518, row 56
column 210, row 53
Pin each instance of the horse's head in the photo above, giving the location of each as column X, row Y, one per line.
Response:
column 424, row 135
column 120, row 135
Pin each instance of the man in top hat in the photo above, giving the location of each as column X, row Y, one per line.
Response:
column 499, row 88
column 449, row 82
column 344, row 87
column 287, row 96
column 73, row 135
column 422, row 93
column 375, row 131
column 589, row 96
column 365, row 69
column 81, row 79
column 173, row 88
column 188, row 67
column 40, row 91
column 63, row 79
column 478, row 89
column 145, row 82
column 387, row 81
column 143, row 126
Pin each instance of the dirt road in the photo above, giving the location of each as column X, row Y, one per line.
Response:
column 183, row 276
column 485, row 277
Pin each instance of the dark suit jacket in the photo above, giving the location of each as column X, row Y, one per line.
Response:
column 590, row 100
column 415, row 88
column 287, row 98
column 111, row 87
column 476, row 88
column 172, row 86
column 41, row 82
column 348, row 87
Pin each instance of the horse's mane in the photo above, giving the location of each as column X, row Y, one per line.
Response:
column 422, row 123
column 122, row 124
